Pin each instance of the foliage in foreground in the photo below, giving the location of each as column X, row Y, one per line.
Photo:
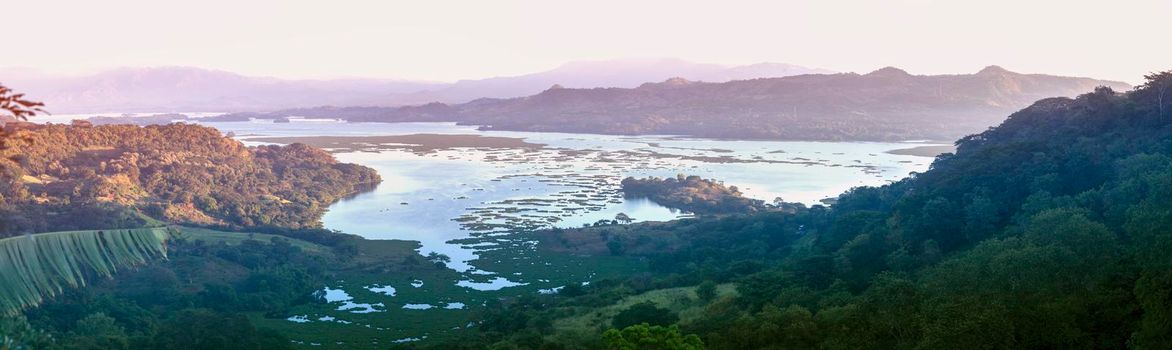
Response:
column 1050, row 231
column 647, row 337
column 198, row 298
column 35, row 267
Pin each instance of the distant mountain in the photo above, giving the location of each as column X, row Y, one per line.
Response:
column 885, row 105
column 185, row 89
column 626, row 73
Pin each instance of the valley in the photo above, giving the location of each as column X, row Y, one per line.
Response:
column 603, row 175
column 476, row 197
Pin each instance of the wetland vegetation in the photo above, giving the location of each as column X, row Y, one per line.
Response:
column 538, row 248
column 439, row 175
column 693, row 194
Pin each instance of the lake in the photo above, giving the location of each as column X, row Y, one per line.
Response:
column 476, row 196
column 439, row 194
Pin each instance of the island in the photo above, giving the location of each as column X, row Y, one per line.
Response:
column 692, row 194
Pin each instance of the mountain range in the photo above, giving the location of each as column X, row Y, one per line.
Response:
column 888, row 104
column 186, row 89
column 623, row 73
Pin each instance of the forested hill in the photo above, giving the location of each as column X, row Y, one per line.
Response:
column 888, row 104
column 1050, row 231
column 62, row 177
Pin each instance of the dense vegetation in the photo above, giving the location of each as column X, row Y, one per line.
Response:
column 197, row 299
column 36, row 267
column 216, row 290
column 203, row 295
column 121, row 176
column 693, row 194
column 1049, row 231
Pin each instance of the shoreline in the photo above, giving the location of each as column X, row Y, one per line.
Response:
column 422, row 143
column 924, row 151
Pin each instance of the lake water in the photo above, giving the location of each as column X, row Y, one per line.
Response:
column 438, row 196
column 477, row 205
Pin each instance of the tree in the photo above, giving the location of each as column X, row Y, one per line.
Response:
column 645, row 312
column 623, row 218
column 98, row 331
column 615, row 245
column 204, row 329
column 1152, row 291
column 647, row 337
column 1158, row 84
column 440, row 260
column 572, row 290
column 16, row 333
column 706, row 291
column 980, row 215
column 17, row 106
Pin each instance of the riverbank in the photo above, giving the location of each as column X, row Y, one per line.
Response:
column 924, row 151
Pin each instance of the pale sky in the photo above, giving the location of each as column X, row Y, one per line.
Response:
column 448, row 40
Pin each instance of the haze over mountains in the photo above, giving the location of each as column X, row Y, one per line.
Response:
column 632, row 96
column 627, row 73
column 193, row 89
column 885, row 105
column 186, row 89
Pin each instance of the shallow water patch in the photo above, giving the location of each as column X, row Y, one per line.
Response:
column 418, row 306
column 493, row 284
column 384, row 290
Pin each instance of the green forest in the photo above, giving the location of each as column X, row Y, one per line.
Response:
column 693, row 194
column 1050, row 231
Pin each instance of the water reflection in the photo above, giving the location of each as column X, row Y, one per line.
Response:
column 451, row 194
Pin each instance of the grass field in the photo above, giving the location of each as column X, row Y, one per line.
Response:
column 682, row 300
column 233, row 238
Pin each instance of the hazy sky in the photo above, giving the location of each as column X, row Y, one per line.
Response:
column 448, row 40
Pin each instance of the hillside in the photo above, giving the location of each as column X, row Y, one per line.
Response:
column 121, row 176
column 885, row 105
column 619, row 73
column 1048, row 231
column 187, row 89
